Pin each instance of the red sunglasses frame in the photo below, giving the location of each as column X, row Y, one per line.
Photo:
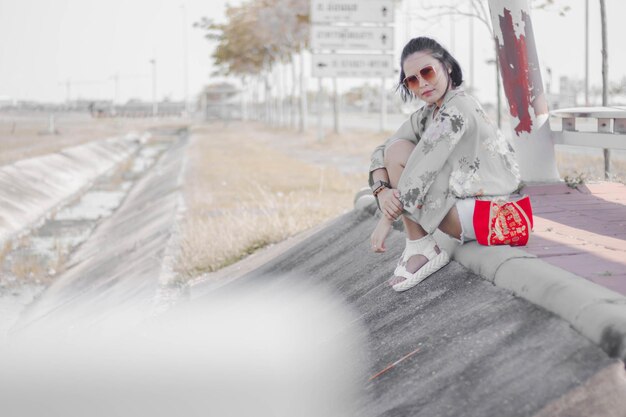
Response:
column 428, row 74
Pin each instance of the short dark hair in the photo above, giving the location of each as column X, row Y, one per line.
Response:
column 438, row 52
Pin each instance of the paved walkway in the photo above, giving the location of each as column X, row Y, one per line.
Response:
column 582, row 230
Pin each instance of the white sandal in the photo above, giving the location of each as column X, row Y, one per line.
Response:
column 436, row 261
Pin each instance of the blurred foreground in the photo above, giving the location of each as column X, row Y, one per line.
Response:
column 282, row 351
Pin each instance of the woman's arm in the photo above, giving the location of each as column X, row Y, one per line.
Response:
column 388, row 199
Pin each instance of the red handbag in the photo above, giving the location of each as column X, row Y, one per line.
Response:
column 503, row 222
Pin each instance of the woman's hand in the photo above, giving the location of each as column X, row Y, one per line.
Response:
column 380, row 233
column 390, row 204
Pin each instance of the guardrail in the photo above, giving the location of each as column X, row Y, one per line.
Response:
column 610, row 132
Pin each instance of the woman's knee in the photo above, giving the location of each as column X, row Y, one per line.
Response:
column 398, row 152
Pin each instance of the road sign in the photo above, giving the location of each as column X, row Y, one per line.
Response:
column 374, row 11
column 351, row 37
column 353, row 65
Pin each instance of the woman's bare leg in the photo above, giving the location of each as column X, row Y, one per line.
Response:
column 451, row 224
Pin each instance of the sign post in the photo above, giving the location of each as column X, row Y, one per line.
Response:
column 345, row 48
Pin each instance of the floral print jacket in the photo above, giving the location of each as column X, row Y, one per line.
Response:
column 459, row 153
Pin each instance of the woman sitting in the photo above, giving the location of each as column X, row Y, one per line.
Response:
column 431, row 171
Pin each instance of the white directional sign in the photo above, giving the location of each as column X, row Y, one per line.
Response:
column 374, row 11
column 351, row 37
column 353, row 65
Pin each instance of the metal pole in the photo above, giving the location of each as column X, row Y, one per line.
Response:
column 521, row 76
column 605, row 56
column 605, row 82
column 499, row 94
column 267, row 96
column 320, row 110
column 244, row 91
column 586, row 52
column 117, row 89
column 292, row 95
column 281, row 94
column 303, row 97
column 155, row 105
column 383, row 105
column 335, row 106
column 471, row 52
column 185, row 62
column 116, row 92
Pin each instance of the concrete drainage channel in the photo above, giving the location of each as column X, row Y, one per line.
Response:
column 41, row 257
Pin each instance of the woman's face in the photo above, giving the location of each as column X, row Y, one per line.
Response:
column 428, row 86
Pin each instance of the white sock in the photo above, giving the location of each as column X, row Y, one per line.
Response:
column 417, row 243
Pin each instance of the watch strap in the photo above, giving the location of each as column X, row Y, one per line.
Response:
column 379, row 186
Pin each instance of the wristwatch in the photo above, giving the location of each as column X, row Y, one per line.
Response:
column 378, row 186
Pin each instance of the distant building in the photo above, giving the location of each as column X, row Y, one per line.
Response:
column 221, row 101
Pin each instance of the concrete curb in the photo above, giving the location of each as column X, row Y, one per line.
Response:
column 598, row 313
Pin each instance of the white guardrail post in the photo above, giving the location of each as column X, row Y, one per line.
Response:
column 521, row 77
column 610, row 131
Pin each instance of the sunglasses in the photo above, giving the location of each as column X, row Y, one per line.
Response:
column 427, row 74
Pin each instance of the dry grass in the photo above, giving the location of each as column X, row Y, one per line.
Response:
column 25, row 135
column 244, row 190
column 7, row 247
column 589, row 167
column 27, row 267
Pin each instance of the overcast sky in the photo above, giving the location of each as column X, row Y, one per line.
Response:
column 44, row 43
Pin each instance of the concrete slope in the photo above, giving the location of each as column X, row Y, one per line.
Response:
column 118, row 271
column 31, row 188
column 460, row 345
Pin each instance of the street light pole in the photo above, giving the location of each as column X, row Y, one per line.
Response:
column 155, row 105
column 68, row 86
column 185, row 61
column 115, row 100
column 586, row 52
